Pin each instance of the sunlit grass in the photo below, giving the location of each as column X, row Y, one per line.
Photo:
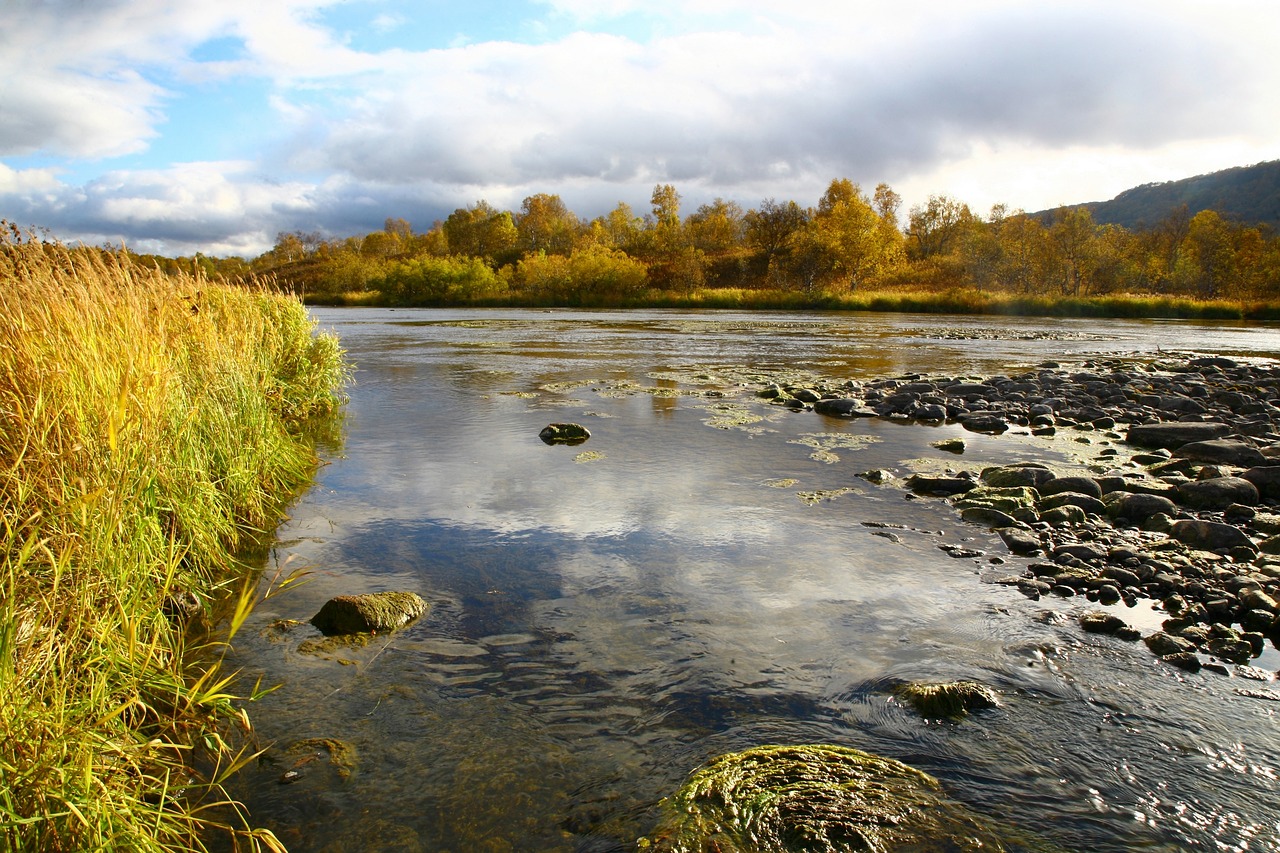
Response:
column 906, row 298
column 149, row 424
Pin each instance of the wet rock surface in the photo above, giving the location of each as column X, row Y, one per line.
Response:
column 1180, row 510
column 772, row 799
column 369, row 613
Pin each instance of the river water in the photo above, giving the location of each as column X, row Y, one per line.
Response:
column 707, row 573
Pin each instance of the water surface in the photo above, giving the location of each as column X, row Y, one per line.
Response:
column 707, row 573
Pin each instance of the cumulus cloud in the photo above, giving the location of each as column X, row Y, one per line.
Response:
column 744, row 99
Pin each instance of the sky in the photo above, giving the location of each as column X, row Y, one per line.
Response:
column 177, row 126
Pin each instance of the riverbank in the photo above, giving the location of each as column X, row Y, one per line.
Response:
column 967, row 301
column 152, row 425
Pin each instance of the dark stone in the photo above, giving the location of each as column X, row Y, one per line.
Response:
column 843, row 407
column 1175, row 434
column 1079, row 485
column 1085, row 502
column 1097, row 622
column 1225, row 451
column 987, row 516
column 1139, row 507
column 1217, row 493
column 1266, row 479
column 360, row 614
column 939, row 486
column 983, row 422
column 564, row 434
column 1183, row 660
column 1163, row 644
column 1209, row 535
column 1019, row 541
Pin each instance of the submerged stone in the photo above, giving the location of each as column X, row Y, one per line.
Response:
column 779, row 799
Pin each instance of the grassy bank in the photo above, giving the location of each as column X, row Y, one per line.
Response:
column 149, row 424
column 951, row 301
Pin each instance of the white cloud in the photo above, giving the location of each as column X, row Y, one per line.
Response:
column 986, row 101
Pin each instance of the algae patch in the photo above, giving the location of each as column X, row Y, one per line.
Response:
column 825, row 444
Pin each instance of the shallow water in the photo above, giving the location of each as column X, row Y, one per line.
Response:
column 707, row 573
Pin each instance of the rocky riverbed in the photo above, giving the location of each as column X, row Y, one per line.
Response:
column 1175, row 505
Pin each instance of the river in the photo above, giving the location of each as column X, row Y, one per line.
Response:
column 706, row 573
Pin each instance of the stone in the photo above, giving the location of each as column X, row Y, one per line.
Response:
column 1079, row 485
column 950, row 445
column 1085, row 502
column 1266, row 479
column 1217, row 493
column 843, row 407
column 1067, row 514
column 1209, row 535
column 1225, row 451
column 1019, row 541
column 1175, row 434
column 564, row 434
column 947, row 699
column 1098, row 622
column 983, row 422
column 1010, row 476
column 1163, row 644
column 376, row 611
column 939, row 486
column 988, row 516
column 1139, row 507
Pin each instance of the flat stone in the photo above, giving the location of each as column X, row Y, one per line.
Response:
column 1225, row 451
column 1175, row 434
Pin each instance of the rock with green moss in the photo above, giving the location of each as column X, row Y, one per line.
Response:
column 772, row 799
column 951, row 700
column 571, row 434
column 371, row 612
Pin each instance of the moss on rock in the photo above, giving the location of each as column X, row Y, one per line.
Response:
column 771, row 799
column 946, row 699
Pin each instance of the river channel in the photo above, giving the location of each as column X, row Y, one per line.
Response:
column 707, row 573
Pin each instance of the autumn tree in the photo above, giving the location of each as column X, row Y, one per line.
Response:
column 843, row 244
column 545, row 224
column 481, row 231
column 934, row 228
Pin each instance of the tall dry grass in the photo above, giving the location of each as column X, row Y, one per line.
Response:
column 148, row 425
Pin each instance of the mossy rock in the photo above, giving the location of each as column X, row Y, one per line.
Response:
column 949, row 700
column 782, row 799
column 570, row 434
column 372, row 612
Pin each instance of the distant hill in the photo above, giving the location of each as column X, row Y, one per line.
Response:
column 1245, row 194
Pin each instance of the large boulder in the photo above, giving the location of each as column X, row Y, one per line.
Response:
column 1175, row 434
column 1008, row 476
column 1217, row 493
column 1222, row 451
column 368, row 613
column 1209, row 535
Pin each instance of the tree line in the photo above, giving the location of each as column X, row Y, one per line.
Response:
column 850, row 240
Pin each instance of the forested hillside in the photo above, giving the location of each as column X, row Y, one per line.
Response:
column 1246, row 194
